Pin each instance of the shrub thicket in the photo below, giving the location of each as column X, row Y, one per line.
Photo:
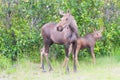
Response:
column 21, row 21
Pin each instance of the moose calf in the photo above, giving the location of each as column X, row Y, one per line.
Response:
column 88, row 41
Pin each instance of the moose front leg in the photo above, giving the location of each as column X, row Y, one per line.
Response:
column 67, row 57
column 74, row 56
column 69, row 51
column 92, row 53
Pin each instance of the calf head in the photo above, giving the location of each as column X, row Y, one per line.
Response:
column 97, row 33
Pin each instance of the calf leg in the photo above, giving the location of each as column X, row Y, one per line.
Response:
column 77, row 51
column 93, row 55
column 64, row 63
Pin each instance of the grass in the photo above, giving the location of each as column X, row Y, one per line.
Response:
column 106, row 68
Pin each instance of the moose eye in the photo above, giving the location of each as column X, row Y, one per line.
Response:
column 97, row 34
column 66, row 19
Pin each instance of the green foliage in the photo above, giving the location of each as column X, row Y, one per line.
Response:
column 4, row 62
column 21, row 22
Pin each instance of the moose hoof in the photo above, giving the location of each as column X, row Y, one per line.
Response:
column 75, row 71
column 50, row 69
column 44, row 71
column 67, row 71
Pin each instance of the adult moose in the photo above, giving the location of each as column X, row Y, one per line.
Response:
column 88, row 41
column 65, row 32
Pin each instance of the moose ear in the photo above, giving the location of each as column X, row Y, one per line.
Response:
column 102, row 29
column 94, row 30
column 68, row 11
column 61, row 12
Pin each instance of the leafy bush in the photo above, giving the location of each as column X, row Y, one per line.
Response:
column 4, row 62
column 21, row 22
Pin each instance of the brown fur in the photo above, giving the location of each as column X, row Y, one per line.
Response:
column 51, row 34
column 88, row 41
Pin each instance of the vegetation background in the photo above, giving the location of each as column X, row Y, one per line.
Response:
column 21, row 22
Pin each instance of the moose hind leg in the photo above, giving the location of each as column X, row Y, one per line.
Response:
column 42, row 65
column 48, row 62
column 47, row 46
column 46, row 52
column 41, row 56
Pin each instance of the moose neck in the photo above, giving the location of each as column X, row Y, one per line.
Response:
column 73, row 26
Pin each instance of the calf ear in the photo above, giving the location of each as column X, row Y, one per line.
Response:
column 61, row 12
column 102, row 29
